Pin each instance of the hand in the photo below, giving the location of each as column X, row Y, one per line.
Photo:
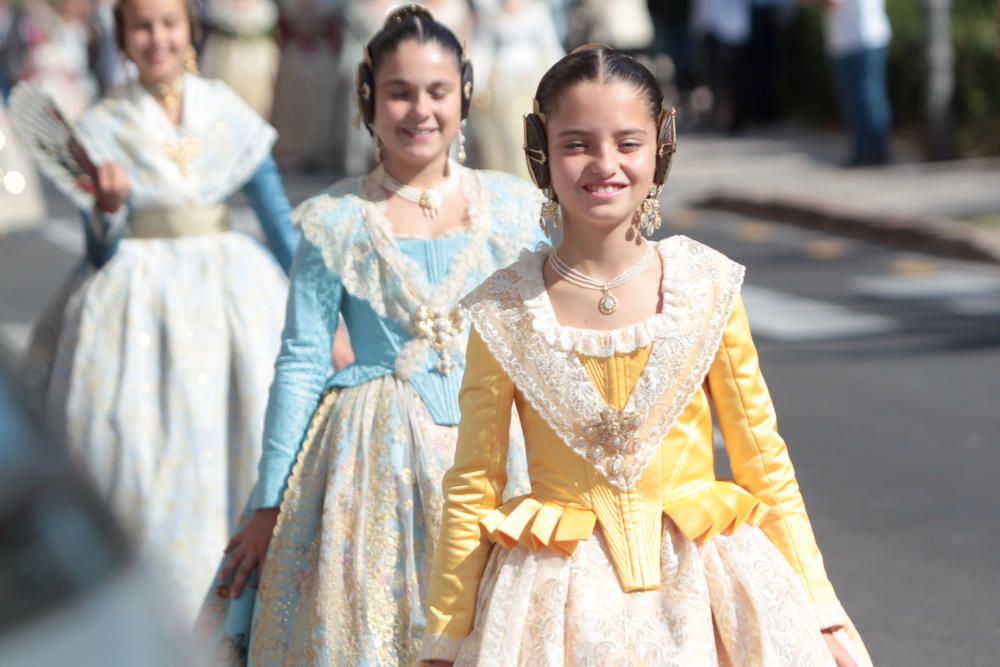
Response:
column 840, row 655
column 248, row 548
column 111, row 184
column 343, row 353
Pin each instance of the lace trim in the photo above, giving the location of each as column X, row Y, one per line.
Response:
column 704, row 285
column 369, row 262
column 591, row 342
column 439, row 647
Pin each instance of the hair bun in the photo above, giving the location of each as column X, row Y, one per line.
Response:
column 400, row 14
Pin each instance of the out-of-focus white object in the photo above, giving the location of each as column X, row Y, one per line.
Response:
column 21, row 203
column 622, row 24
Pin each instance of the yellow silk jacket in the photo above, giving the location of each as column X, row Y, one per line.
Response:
column 618, row 431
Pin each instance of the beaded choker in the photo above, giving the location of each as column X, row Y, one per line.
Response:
column 429, row 199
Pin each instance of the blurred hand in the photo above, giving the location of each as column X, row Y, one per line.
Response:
column 840, row 655
column 111, row 187
column 248, row 548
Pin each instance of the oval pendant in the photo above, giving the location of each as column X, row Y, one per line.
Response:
column 607, row 305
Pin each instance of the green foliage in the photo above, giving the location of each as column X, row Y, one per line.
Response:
column 806, row 76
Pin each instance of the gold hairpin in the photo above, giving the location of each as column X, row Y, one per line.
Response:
column 536, row 155
column 591, row 46
column 537, row 109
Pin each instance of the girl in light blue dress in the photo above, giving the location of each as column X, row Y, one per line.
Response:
column 349, row 481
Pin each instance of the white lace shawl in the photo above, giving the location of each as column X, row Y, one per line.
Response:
column 215, row 150
column 512, row 313
column 349, row 226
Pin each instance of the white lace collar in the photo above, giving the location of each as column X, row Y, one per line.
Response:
column 368, row 260
column 703, row 285
column 591, row 342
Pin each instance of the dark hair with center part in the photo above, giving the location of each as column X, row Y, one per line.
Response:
column 598, row 65
column 410, row 22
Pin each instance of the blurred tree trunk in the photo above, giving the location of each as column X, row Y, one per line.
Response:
column 939, row 58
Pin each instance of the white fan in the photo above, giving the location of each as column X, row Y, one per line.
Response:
column 49, row 138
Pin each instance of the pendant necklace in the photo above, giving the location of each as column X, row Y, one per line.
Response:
column 428, row 199
column 608, row 304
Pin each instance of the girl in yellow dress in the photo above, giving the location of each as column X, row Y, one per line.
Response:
column 616, row 351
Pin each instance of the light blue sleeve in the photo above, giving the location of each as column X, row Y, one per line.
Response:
column 301, row 370
column 103, row 233
column 267, row 196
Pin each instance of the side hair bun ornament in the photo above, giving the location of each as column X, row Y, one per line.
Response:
column 666, row 144
column 536, row 148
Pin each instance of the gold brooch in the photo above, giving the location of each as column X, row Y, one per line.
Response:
column 611, row 435
column 439, row 329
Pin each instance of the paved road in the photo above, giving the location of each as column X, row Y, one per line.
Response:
column 885, row 369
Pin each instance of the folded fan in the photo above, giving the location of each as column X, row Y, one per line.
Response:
column 49, row 138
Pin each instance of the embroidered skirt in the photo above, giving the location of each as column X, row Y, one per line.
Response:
column 734, row 602
column 157, row 373
column 347, row 570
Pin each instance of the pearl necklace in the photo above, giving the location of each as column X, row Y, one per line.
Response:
column 430, row 199
column 608, row 304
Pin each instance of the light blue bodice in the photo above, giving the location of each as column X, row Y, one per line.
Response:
column 349, row 264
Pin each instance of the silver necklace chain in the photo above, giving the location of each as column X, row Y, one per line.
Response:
column 608, row 304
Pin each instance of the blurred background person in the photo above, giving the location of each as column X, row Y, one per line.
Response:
column 306, row 106
column 757, row 86
column 724, row 26
column 59, row 37
column 624, row 25
column 857, row 43
column 515, row 43
column 674, row 37
column 239, row 49
column 154, row 360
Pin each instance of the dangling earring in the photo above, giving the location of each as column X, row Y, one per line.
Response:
column 649, row 213
column 549, row 218
column 461, row 144
column 191, row 60
column 378, row 149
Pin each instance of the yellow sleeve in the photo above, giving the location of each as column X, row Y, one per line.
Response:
column 472, row 488
column 760, row 461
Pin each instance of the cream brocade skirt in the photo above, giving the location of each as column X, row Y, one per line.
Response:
column 156, row 368
column 346, row 576
column 734, row 602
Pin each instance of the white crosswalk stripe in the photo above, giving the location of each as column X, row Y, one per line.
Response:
column 946, row 284
column 785, row 317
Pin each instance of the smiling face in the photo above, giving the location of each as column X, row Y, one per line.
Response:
column 418, row 102
column 157, row 36
column 602, row 152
